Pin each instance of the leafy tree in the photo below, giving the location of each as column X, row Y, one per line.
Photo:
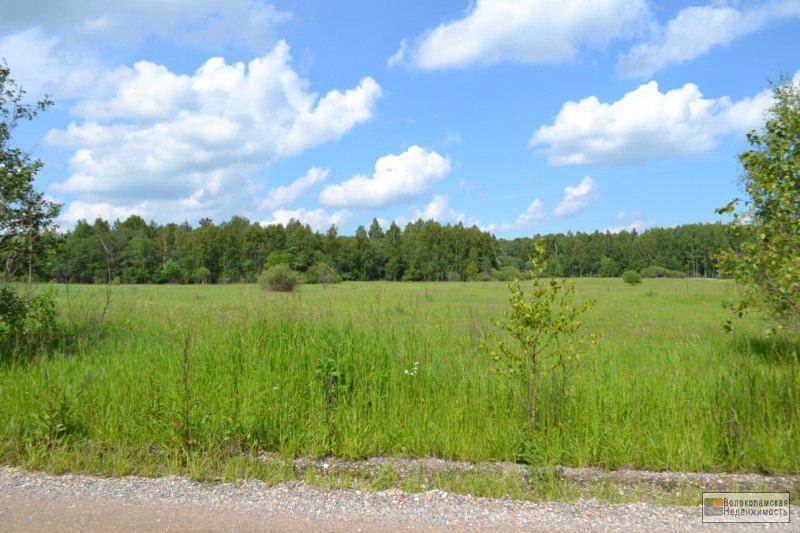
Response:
column 471, row 268
column 394, row 253
column 545, row 330
column 375, row 230
column 608, row 267
column 321, row 272
column 25, row 214
column 766, row 263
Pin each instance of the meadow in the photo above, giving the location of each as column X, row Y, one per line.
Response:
column 376, row 368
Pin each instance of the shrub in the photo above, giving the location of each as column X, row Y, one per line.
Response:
column 656, row 271
column 323, row 273
column 631, row 277
column 279, row 278
column 27, row 323
column 507, row 273
column 202, row 275
column 483, row 276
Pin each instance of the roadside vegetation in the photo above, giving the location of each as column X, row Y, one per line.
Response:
column 365, row 369
column 208, row 378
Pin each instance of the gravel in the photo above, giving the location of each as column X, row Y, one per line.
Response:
column 709, row 481
column 37, row 501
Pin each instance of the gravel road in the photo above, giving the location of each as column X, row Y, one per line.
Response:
column 32, row 501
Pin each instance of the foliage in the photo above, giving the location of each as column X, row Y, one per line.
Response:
column 546, row 329
column 507, row 273
column 631, row 277
column 27, row 323
column 323, row 273
column 608, row 268
column 279, row 278
column 256, row 358
column 239, row 250
column 656, row 271
column 766, row 262
column 25, row 214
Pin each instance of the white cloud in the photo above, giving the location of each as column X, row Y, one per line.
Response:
column 439, row 210
column 111, row 22
column 525, row 31
column 533, row 214
column 399, row 56
column 629, row 215
column 696, row 30
column 90, row 211
column 59, row 47
column 318, row 219
column 646, row 124
column 630, row 220
column 45, row 65
column 202, row 139
column 576, row 199
column 396, row 179
column 637, row 225
column 286, row 194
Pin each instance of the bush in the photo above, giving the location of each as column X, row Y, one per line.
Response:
column 323, row 273
column 631, row 277
column 507, row 273
column 27, row 323
column 279, row 278
column 661, row 272
column 202, row 275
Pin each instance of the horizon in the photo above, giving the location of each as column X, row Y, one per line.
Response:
column 112, row 223
column 614, row 116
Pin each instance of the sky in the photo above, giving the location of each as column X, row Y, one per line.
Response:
column 519, row 116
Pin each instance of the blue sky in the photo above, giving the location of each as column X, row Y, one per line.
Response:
column 524, row 116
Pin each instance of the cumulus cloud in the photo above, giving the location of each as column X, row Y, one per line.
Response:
column 630, row 220
column 318, row 219
column 696, row 30
column 201, row 140
column 533, row 215
column 439, row 209
column 637, row 225
column 524, row 31
column 576, row 199
column 43, row 64
column 286, row 194
column 396, row 179
column 203, row 22
column 90, row 211
column 60, row 47
column 646, row 124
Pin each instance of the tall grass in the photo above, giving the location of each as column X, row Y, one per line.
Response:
column 362, row 369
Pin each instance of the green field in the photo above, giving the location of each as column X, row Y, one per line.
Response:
column 666, row 388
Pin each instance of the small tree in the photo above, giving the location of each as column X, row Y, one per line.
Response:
column 766, row 263
column 631, row 277
column 545, row 329
column 279, row 278
column 25, row 214
column 323, row 273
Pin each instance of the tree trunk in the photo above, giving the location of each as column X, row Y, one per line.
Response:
column 30, row 260
column 531, row 387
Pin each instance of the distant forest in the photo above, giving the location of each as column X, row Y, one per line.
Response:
column 237, row 250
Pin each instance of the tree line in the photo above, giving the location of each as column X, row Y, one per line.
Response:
column 238, row 250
